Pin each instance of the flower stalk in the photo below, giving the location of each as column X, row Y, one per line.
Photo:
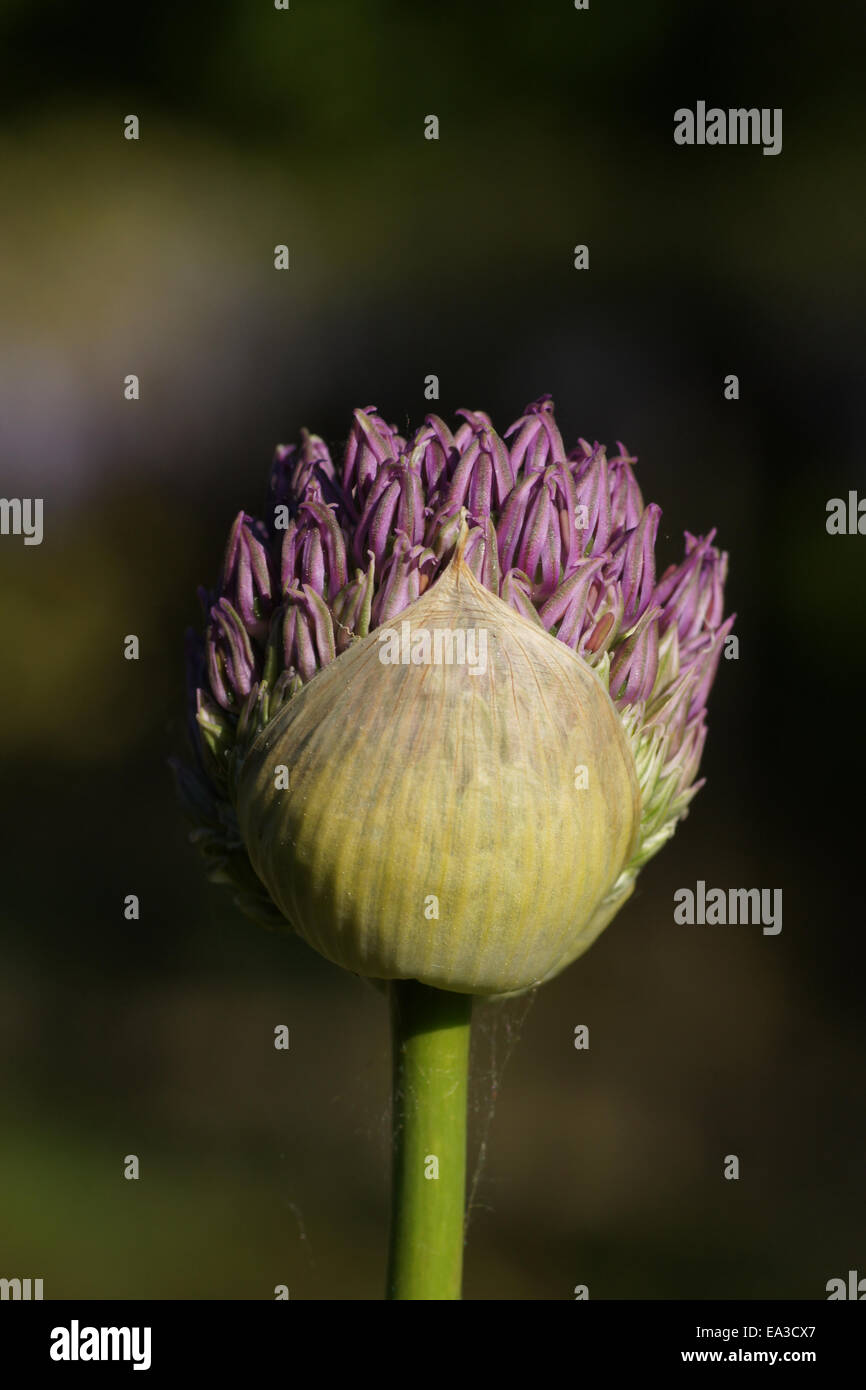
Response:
column 430, row 1034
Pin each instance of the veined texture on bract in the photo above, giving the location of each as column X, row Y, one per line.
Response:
column 453, row 824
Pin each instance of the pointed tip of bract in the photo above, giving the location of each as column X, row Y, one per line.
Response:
column 457, row 569
column 458, row 559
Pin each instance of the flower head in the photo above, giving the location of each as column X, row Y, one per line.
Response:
column 560, row 538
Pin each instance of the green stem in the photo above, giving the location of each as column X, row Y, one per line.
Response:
column 430, row 1033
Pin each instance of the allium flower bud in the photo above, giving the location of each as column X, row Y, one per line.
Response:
column 449, row 785
column 470, row 821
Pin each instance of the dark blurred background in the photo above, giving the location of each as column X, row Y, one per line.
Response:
column 410, row 257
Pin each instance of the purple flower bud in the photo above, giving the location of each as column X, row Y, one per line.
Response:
column 314, row 551
column 482, row 556
column 605, row 624
column 517, row 593
column 633, row 669
column 404, row 578
column 567, row 610
column 371, row 444
column 246, row 578
column 691, row 592
column 308, row 632
column 539, row 542
column 638, row 573
column 432, row 450
column 538, row 441
column 626, row 503
column 299, row 473
column 443, row 530
column 231, row 662
column 352, row 608
column 484, row 475
column 592, row 485
column 512, row 521
column 473, row 421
